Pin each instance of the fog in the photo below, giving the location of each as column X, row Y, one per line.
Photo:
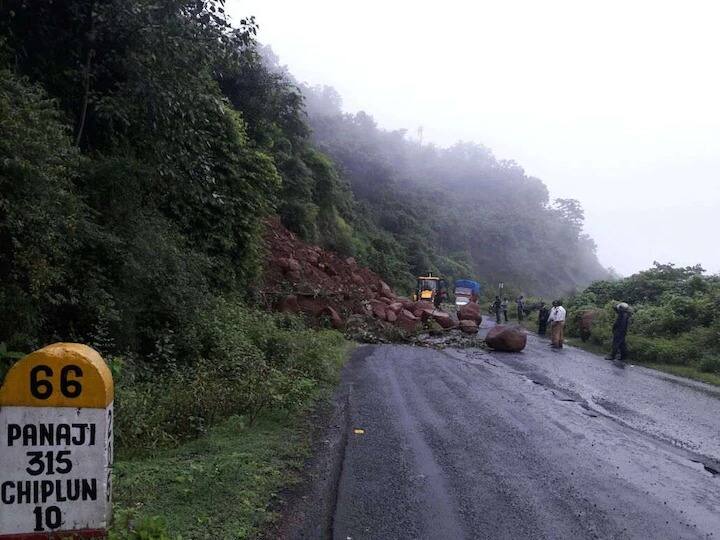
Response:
column 612, row 103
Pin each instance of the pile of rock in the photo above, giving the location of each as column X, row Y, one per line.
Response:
column 470, row 317
column 301, row 278
column 408, row 315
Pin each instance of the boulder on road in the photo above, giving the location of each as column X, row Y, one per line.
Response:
column 420, row 306
column 443, row 318
column 390, row 315
column 470, row 312
column 506, row 338
column 407, row 321
column 396, row 307
column 469, row 327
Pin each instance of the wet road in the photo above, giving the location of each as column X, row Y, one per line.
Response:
column 539, row 444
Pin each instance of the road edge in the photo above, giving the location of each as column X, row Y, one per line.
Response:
column 308, row 508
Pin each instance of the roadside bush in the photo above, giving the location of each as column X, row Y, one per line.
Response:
column 710, row 365
column 659, row 350
column 252, row 362
column 675, row 315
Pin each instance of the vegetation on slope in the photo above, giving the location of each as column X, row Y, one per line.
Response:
column 456, row 211
column 676, row 319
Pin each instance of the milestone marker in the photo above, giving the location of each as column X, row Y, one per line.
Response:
column 56, row 445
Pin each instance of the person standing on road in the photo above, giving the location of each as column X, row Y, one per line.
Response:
column 520, row 307
column 543, row 314
column 620, row 328
column 557, row 325
column 497, row 308
column 504, row 308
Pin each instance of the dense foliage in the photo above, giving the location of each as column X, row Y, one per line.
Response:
column 676, row 315
column 143, row 144
column 253, row 362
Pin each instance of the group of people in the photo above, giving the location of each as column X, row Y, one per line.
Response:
column 554, row 318
column 500, row 308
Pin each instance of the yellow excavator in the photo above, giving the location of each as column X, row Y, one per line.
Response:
column 427, row 287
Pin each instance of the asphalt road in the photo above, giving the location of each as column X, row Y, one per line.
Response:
column 539, row 444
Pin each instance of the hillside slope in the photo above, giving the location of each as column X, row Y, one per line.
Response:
column 458, row 211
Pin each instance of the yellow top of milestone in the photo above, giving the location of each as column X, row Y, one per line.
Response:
column 59, row 375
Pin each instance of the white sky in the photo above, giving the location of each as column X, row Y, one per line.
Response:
column 615, row 103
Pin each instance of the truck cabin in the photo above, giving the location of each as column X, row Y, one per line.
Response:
column 466, row 291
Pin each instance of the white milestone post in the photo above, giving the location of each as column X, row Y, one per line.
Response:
column 56, row 445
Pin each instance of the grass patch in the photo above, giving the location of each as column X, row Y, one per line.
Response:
column 218, row 486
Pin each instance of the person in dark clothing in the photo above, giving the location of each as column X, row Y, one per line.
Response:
column 543, row 314
column 620, row 328
column 520, row 307
column 504, row 308
column 441, row 294
column 497, row 308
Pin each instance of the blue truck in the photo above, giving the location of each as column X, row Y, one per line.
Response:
column 466, row 291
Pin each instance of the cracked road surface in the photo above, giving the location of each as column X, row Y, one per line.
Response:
column 538, row 444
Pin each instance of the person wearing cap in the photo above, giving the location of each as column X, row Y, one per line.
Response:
column 620, row 328
column 557, row 325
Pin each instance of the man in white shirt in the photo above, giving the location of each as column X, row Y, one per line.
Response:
column 556, row 319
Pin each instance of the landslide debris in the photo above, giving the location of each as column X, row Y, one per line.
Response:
column 300, row 278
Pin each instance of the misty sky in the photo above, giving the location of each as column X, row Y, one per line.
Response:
column 615, row 103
